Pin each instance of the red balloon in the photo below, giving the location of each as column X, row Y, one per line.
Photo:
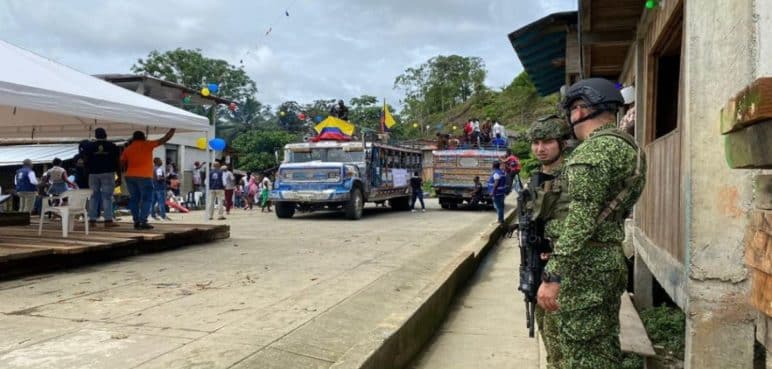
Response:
column 232, row 106
column 302, row 116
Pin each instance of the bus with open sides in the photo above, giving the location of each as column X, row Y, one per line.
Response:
column 343, row 176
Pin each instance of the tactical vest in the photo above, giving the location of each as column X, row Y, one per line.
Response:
column 624, row 189
column 551, row 198
column 23, row 183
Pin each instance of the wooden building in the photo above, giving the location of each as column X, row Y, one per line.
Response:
column 702, row 74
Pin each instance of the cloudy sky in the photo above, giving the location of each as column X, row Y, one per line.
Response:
column 323, row 50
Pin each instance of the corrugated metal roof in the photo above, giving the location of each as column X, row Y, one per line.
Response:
column 541, row 47
column 39, row 154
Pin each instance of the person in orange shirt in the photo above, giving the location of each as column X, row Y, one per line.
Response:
column 137, row 162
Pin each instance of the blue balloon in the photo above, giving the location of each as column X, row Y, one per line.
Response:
column 318, row 118
column 213, row 87
column 217, row 144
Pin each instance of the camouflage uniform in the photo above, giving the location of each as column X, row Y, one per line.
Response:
column 550, row 206
column 588, row 257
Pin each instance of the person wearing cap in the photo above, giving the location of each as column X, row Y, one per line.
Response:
column 137, row 160
column 101, row 161
column 586, row 272
column 26, row 186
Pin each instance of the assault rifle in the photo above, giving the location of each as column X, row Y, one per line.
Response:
column 532, row 245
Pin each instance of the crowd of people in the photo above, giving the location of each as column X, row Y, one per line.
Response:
column 152, row 185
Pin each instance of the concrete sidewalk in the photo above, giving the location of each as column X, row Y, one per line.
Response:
column 485, row 327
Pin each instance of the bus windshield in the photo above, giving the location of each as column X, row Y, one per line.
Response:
column 335, row 154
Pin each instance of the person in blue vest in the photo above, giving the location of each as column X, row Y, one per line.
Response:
column 497, row 187
column 216, row 192
column 26, row 186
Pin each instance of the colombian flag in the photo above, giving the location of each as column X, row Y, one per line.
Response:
column 387, row 121
column 334, row 128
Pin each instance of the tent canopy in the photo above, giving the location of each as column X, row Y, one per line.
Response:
column 42, row 98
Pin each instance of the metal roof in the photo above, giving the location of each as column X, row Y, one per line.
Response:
column 39, row 154
column 541, row 47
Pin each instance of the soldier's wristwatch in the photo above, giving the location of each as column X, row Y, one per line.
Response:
column 550, row 277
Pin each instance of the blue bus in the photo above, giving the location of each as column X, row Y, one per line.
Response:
column 343, row 176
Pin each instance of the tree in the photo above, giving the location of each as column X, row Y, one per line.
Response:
column 191, row 69
column 260, row 150
column 440, row 84
column 249, row 116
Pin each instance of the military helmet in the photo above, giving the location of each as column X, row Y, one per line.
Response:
column 548, row 128
column 599, row 93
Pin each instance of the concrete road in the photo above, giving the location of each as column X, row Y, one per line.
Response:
column 292, row 293
column 486, row 324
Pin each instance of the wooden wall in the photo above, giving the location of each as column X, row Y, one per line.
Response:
column 660, row 211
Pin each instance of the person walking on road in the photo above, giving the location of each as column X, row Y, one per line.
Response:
column 416, row 185
column 216, row 193
column 26, row 183
column 586, row 273
column 497, row 188
column 137, row 160
column 229, row 182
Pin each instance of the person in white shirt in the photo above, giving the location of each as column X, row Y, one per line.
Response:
column 499, row 131
column 229, row 182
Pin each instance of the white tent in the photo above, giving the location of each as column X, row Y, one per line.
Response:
column 42, row 98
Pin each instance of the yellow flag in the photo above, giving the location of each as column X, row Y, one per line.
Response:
column 388, row 120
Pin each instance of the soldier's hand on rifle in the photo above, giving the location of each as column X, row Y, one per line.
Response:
column 548, row 296
column 545, row 256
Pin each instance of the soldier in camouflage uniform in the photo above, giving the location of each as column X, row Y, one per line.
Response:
column 550, row 206
column 586, row 273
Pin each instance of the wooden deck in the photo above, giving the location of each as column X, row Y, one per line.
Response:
column 23, row 252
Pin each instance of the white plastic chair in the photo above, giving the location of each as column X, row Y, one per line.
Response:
column 76, row 205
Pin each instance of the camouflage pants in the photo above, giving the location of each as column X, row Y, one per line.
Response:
column 588, row 336
column 549, row 334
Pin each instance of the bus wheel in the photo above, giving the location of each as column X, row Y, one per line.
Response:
column 355, row 205
column 285, row 210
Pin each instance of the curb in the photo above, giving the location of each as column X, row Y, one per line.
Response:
column 398, row 340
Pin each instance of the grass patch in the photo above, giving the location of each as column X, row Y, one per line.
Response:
column 666, row 327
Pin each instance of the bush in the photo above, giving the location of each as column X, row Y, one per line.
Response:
column 666, row 327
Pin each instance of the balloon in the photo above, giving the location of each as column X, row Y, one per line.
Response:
column 213, row 87
column 217, row 144
column 318, row 118
column 415, row 125
column 302, row 116
column 204, row 91
column 201, row 143
column 455, row 128
column 232, row 106
column 282, row 113
column 186, row 99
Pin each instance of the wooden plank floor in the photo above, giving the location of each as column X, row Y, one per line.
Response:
column 20, row 245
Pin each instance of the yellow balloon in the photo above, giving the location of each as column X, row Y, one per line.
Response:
column 204, row 91
column 282, row 113
column 454, row 128
column 415, row 125
column 201, row 143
